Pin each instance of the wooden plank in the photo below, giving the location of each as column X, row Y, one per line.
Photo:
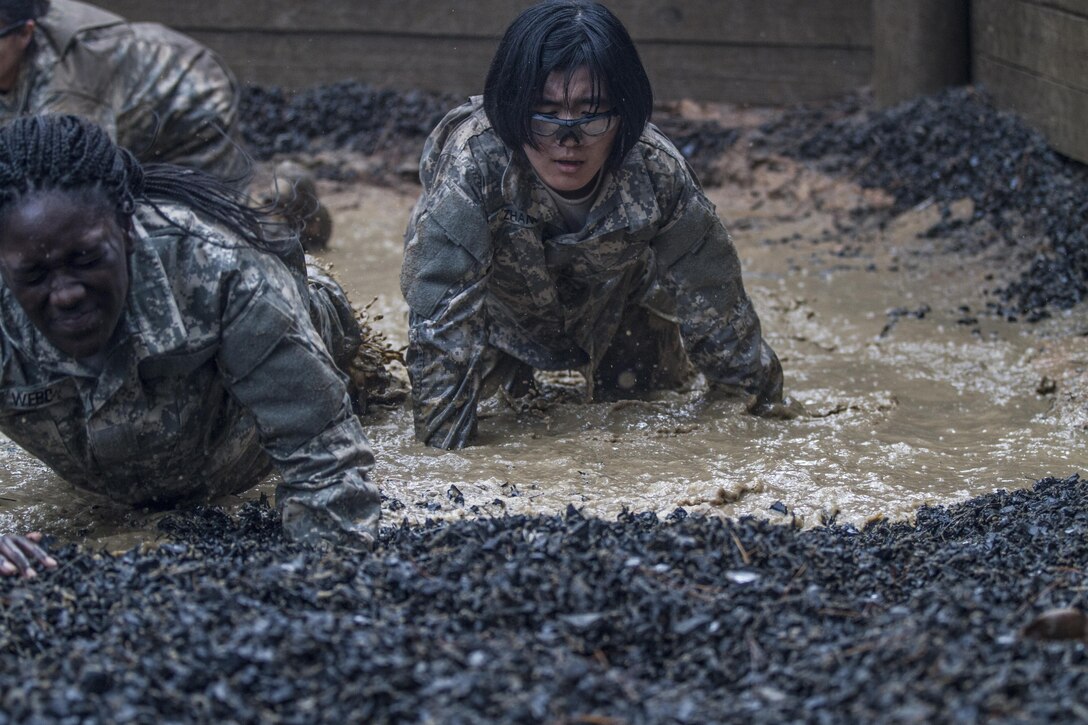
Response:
column 303, row 60
column 1057, row 110
column 705, row 72
column 1075, row 7
column 418, row 17
column 740, row 74
column 835, row 23
column 1029, row 35
column 820, row 23
column 919, row 47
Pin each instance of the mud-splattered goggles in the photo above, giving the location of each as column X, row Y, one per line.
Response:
column 585, row 129
column 13, row 28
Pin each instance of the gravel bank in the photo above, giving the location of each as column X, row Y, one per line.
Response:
column 939, row 149
column 956, row 145
column 565, row 619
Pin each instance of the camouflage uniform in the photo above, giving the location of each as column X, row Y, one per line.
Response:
column 158, row 93
column 214, row 374
column 490, row 273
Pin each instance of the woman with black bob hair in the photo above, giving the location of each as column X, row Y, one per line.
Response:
column 558, row 229
column 158, row 344
column 566, row 37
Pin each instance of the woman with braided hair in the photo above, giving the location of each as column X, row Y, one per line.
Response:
column 157, row 344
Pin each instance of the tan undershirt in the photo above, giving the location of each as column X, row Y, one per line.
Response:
column 575, row 211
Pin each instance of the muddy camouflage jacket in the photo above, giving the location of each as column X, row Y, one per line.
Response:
column 157, row 92
column 487, row 261
column 215, row 374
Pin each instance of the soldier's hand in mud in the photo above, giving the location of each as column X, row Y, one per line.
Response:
column 344, row 514
column 786, row 409
column 20, row 554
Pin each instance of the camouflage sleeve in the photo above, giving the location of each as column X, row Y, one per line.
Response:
column 157, row 92
column 275, row 364
column 720, row 328
column 444, row 280
column 181, row 104
column 78, row 103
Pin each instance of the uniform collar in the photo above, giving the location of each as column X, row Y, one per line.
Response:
column 151, row 311
column 524, row 190
column 630, row 195
column 64, row 22
column 627, row 199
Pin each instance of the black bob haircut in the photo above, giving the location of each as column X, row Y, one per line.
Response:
column 564, row 35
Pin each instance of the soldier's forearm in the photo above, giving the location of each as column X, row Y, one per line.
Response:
column 443, row 402
column 345, row 512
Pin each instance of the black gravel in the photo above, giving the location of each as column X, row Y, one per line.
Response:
column 955, row 145
column 564, row 619
column 359, row 117
column 934, row 149
column 347, row 115
column 341, row 115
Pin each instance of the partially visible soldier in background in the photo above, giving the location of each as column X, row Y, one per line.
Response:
column 158, row 93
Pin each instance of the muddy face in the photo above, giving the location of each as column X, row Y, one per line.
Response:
column 65, row 258
column 569, row 160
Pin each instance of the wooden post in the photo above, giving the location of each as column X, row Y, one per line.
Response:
column 919, row 47
column 1030, row 55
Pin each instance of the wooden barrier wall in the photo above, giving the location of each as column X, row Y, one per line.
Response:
column 919, row 47
column 750, row 51
column 1032, row 55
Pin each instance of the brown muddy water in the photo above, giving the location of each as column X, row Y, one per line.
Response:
column 926, row 411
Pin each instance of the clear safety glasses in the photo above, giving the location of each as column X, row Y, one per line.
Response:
column 587, row 129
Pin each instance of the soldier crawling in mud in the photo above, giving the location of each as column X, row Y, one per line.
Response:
column 558, row 229
column 158, row 93
column 158, row 344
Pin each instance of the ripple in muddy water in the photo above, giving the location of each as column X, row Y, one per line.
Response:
column 904, row 410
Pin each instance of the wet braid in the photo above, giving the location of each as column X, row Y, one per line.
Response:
column 205, row 193
column 40, row 153
column 67, row 153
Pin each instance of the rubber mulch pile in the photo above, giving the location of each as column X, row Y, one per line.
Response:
column 935, row 149
column 567, row 619
column 956, row 145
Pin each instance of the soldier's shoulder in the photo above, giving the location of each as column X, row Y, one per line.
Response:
column 658, row 150
column 68, row 19
column 664, row 165
column 167, row 220
column 463, row 143
column 180, row 236
column 459, row 125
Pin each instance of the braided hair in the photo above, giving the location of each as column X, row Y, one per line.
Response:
column 68, row 153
